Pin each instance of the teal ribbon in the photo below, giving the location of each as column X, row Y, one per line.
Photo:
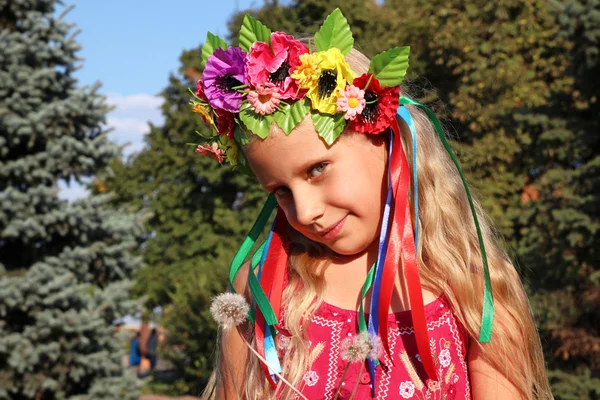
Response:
column 240, row 257
column 487, row 315
column 405, row 115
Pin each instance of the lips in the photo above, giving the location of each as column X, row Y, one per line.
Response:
column 332, row 231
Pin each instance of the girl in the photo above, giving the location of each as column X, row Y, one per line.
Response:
column 377, row 276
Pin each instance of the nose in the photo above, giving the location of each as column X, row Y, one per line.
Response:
column 308, row 206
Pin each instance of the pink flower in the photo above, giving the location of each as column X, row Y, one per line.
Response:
column 407, row 389
column 311, row 378
column 212, row 151
column 351, row 101
column 445, row 358
column 276, row 63
column 265, row 99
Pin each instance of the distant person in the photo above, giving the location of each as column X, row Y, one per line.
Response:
column 134, row 351
column 152, row 345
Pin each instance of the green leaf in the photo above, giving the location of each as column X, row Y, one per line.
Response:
column 212, row 43
column 252, row 31
column 288, row 116
column 390, row 66
column 335, row 32
column 240, row 136
column 330, row 127
column 255, row 123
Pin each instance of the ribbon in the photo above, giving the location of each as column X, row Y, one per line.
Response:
column 271, row 282
column 487, row 314
column 373, row 327
column 405, row 115
column 401, row 248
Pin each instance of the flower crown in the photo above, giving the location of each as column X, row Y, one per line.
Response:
column 273, row 78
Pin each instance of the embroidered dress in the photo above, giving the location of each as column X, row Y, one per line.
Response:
column 403, row 377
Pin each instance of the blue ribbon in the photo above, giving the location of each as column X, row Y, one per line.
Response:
column 383, row 243
column 405, row 115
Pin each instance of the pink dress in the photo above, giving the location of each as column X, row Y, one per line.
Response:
column 404, row 377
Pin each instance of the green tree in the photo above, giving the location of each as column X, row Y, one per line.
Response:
column 65, row 269
column 515, row 83
column 560, row 229
column 200, row 214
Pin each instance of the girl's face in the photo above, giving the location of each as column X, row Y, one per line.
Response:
column 332, row 195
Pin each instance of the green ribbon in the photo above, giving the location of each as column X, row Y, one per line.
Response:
column 362, row 322
column 487, row 316
column 240, row 257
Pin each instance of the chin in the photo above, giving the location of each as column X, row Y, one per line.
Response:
column 347, row 247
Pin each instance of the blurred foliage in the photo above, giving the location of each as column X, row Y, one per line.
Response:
column 516, row 83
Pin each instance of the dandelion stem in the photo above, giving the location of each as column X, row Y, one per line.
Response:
column 362, row 367
column 337, row 394
column 267, row 364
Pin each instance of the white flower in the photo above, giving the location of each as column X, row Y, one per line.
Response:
column 445, row 358
column 283, row 342
column 454, row 378
column 229, row 309
column 311, row 378
column 407, row 389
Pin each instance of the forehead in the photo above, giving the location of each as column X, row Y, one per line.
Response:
column 280, row 156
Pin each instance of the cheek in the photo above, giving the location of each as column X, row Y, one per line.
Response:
column 362, row 190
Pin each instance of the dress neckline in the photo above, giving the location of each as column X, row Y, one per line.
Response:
column 329, row 310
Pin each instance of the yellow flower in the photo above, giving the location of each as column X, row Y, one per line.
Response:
column 205, row 111
column 331, row 74
column 306, row 72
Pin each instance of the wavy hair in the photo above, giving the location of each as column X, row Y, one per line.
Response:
column 449, row 262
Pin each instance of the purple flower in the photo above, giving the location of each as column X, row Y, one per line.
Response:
column 224, row 72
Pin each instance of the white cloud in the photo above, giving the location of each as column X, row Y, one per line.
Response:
column 129, row 123
column 129, row 120
column 134, row 101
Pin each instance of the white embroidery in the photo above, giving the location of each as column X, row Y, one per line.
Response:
column 283, row 343
column 407, row 389
column 454, row 378
column 445, row 358
column 311, row 378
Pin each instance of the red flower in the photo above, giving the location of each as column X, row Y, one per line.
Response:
column 380, row 108
column 275, row 63
column 213, row 151
column 219, row 119
column 225, row 123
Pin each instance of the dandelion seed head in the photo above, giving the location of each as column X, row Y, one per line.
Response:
column 229, row 309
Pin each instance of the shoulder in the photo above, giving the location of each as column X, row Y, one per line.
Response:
column 240, row 282
column 487, row 380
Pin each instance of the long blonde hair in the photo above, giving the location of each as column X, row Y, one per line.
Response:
column 449, row 262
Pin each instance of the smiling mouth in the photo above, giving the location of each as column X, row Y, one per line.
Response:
column 333, row 230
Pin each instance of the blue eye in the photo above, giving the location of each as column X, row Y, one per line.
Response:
column 317, row 170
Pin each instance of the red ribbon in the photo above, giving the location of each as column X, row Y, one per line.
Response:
column 271, row 282
column 401, row 246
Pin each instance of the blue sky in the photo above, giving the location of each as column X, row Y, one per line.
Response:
column 131, row 46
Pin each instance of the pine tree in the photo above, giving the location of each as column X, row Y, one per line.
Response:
column 200, row 214
column 65, row 269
